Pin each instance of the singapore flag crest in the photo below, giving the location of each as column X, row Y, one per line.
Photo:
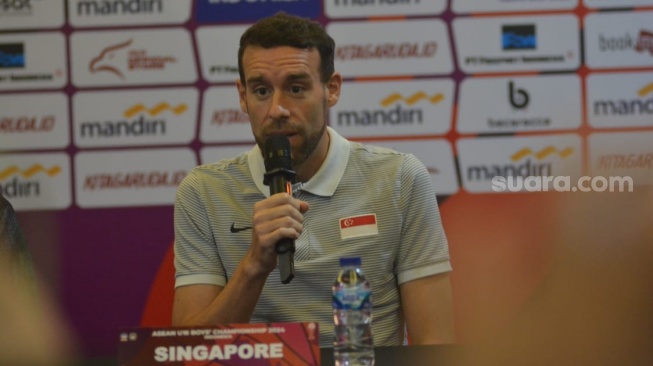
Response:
column 356, row 226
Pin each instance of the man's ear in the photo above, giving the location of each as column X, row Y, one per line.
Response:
column 242, row 91
column 333, row 89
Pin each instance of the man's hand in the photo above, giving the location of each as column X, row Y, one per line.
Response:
column 277, row 217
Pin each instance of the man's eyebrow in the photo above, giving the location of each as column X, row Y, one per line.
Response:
column 298, row 77
column 301, row 76
column 254, row 80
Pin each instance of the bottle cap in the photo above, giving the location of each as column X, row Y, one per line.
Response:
column 350, row 261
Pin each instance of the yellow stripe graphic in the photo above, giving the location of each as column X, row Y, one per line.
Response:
column 414, row 98
column 8, row 172
column 29, row 172
column 156, row 110
column 645, row 90
column 521, row 154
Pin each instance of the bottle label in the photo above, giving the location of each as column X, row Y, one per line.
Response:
column 352, row 299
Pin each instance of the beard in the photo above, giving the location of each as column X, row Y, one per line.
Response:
column 310, row 138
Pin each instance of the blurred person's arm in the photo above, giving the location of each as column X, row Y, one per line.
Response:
column 32, row 330
column 428, row 310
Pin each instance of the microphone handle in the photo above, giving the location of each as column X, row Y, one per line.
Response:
column 285, row 248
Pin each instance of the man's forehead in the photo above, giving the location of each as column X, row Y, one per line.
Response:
column 292, row 62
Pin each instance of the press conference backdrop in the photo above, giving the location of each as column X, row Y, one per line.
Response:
column 105, row 106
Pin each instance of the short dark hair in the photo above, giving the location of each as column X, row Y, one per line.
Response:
column 283, row 29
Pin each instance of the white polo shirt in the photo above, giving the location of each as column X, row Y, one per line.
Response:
column 365, row 201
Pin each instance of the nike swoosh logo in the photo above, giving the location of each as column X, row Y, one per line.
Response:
column 234, row 229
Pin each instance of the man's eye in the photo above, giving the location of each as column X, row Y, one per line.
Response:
column 296, row 89
column 261, row 92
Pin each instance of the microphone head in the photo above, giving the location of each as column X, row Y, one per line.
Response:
column 276, row 154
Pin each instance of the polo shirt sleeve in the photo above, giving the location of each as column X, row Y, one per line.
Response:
column 197, row 260
column 424, row 250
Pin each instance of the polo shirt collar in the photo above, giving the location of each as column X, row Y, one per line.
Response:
column 326, row 179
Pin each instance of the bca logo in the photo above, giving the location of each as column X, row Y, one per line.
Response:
column 519, row 37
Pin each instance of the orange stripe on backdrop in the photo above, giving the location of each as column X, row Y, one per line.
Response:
column 158, row 306
column 521, row 13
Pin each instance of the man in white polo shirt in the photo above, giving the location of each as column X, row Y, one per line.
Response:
column 227, row 224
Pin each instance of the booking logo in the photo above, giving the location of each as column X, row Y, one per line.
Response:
column 519, row 37
column 12, row 55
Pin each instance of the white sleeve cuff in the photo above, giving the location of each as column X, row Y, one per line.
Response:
column 415, row 273
column 197, row 279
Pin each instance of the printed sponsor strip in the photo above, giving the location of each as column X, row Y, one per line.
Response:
column 135, row 57
column 34, row 121
column 517, row 43
column 394, row 108
column 218, row 47
column 36, row 181
column 608, row 4
column 482, row 159
column 130, row 178
column 339, row 9
column 222, row 118
column 135, row 117
column 31, row 14
column 620, row 100
column 519, row 104
column 489, row 6
column 23, row 65
column 392, row 48
column 93, row 13
column 619, row 40
column 622, row 154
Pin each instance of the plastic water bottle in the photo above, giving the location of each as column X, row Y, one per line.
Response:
column 352, row 315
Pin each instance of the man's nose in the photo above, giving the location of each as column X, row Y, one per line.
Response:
column 277, row 109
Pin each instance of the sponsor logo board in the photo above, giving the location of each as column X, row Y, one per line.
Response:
column 31, row 14
column 218, row 50
column 36, row 181
column 370, row 8
column 12, row 55
column 222, row 118
column 483, row 6
column 135, row 57
column 498, row 105
column 392, row 48
column 620, row 39
column 93, row 13
column 214, row 11
column 482, row 159
column 391, row 108
column 596, row 4
column 620, row 100
column 135, row 117
column 524, row 43
column 437, row 157
column 32, row 61
column 34, row 121
column 622, row 154
column 130, row 178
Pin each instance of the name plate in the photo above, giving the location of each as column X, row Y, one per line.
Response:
column 283, row 344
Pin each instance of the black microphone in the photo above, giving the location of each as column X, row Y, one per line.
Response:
column 280, row 176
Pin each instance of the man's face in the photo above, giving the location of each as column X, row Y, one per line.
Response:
column 283, row 95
